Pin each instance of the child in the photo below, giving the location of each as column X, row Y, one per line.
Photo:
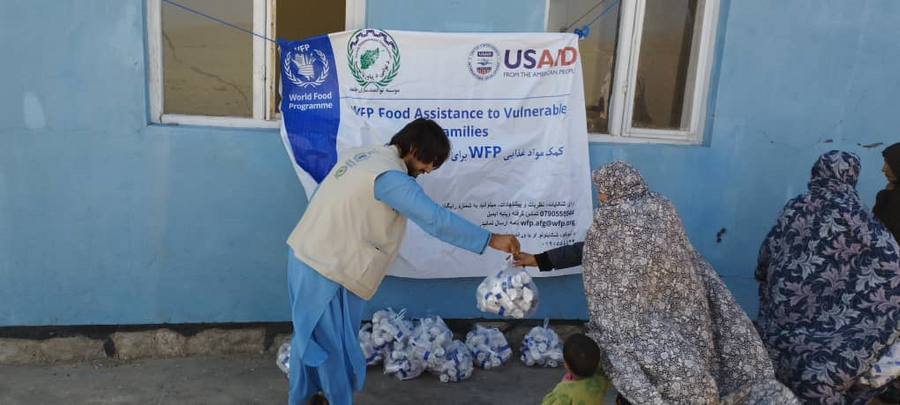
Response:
column 584, row 384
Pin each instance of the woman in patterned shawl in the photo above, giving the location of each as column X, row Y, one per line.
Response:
column 829, row 288
column 670, row 331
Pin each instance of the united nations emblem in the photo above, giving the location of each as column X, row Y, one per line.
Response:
column 484, row 61
column 305, row 68
column 374, row 57
column 349, row 163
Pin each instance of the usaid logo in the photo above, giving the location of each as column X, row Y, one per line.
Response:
column 484, row 61
column 530, row 59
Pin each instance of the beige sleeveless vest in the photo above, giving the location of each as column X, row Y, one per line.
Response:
column 346, row 234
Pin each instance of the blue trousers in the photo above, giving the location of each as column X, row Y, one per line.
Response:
column 325, row 352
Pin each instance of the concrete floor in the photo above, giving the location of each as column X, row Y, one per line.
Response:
column 251, row 379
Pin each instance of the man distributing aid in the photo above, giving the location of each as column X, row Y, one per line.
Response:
column 345, row 242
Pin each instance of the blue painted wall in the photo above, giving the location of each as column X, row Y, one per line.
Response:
column 105, row 219
column 793, row 80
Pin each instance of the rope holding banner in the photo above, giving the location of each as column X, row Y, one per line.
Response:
column 585, row 30
column 582, row 32
column 217, row 20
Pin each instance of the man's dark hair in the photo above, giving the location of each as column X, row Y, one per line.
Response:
column 582, row 355
column 427, row 138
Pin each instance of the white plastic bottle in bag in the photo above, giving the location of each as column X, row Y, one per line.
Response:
column 283, row 358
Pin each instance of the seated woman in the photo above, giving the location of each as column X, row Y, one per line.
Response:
column 668, row 328
column 829, row 288
column 887, row 210
column 887, row 203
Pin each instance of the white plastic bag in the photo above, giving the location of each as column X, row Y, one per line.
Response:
column 885, row 370
column 488, row 346
column 509, row 292
column 429, row 339
column 389, row 326
column 541, row 347
column 392, row 333
column 283, row 358
column 456, row 365
column 402, row 365
column 373, row 354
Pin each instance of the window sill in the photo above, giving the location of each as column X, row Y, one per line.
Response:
column 211, row 121
column 251, row 123
column 604, row 138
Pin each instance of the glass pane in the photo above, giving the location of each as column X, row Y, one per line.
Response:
column 208, row 66
column 598, row 51
column 294, row 21
column 665, row 64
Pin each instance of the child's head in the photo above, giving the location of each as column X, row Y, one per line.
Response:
column 581, row 354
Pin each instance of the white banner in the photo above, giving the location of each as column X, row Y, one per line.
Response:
column 511, row 104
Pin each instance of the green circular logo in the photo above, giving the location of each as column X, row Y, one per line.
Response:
column 374, row 57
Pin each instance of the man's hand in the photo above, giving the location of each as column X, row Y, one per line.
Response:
column 523, row 259
column 506, row 243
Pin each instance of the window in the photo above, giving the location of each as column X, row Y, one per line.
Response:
column 646, row 65
column 203, row 72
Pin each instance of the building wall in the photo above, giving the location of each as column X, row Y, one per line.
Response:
column 105, row 219
column 793, row 80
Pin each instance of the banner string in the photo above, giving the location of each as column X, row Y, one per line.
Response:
column 585, row 30
column 582, row 32
column 218, row 20
column 566, row 28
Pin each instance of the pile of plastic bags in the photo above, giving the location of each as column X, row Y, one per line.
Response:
column 409, row 348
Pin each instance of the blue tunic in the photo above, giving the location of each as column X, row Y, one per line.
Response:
column 325, row 352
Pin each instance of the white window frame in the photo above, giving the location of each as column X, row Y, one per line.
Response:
column 264, row 56
column 620, row 130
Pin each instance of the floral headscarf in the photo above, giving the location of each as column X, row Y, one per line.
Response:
column 619, row 180
column 829, row 287
column 835, row 172
column 669, row 330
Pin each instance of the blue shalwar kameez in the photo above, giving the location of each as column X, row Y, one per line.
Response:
column 325, row 352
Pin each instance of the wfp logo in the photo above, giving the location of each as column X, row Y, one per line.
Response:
column 374, row 57
column 349, row 163
column 484, row 61
column 305, row 67
column 525, row 58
